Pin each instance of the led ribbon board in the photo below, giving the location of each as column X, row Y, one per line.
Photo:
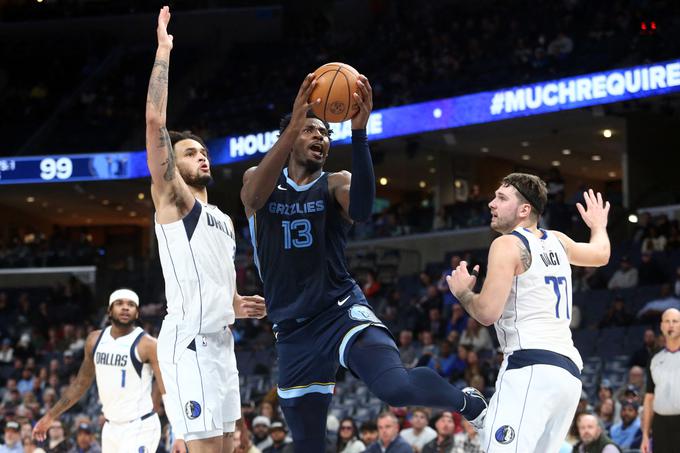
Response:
column 485, row 107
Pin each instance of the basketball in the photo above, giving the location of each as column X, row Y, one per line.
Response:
column 335, row 85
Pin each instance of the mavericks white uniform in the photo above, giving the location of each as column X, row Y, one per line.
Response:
column 539, row 386
column 124, row 385
column 195, row 345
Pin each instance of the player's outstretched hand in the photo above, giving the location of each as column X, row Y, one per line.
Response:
column 596, row 211
column 164, row 39
column 251, row 307
column 302, row 105
column 179, row 446
column 461, row 280
column 364, row 99
column 41, row 427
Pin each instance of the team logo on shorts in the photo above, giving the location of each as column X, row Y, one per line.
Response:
column 505, row 434
column 143, row 449
column 362, row 313
column 192, row 409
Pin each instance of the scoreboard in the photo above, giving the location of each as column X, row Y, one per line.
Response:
column 77, row 167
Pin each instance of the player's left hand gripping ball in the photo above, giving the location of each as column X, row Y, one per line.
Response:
column 364, row 99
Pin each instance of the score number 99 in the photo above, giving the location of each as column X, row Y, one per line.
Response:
column 61, row 168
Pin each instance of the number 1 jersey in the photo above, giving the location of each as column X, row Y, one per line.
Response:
column 299, row 237
column 123, row 381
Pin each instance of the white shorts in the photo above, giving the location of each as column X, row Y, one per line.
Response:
column 532, row 409
column 202, row 397
column 138, row 436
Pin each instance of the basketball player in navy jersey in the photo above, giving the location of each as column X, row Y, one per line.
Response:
column 527, row 295
column 299, row 217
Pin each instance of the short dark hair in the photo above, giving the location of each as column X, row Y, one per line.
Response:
column 368, row 425
column 531, row 189
column 285, row 121
column 176, row 136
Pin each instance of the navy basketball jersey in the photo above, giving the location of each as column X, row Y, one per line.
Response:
column 299, row 237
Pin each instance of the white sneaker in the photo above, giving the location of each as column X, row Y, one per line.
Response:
column 477, row 423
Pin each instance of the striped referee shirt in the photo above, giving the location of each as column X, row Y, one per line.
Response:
column 663, row 381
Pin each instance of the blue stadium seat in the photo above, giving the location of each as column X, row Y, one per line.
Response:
column 585, row 341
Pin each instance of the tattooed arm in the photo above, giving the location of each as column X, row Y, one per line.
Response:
column 506, row 260
column 171, row 196
column 73, row 393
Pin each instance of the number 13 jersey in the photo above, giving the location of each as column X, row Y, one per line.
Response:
column 538, row 310
column 299, row 237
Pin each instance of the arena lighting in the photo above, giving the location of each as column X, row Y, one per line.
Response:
column 526, row 157
column 383, row 181
column 479, row 108
column 555, row 163
column 566, row 152
column 607, row 133
column 633, row 218
column 484, row 149
column 596, row 158
column 422, row 184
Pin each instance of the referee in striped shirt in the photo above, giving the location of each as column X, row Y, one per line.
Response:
column 662, row 400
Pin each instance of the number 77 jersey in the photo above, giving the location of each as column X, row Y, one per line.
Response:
column 299, row 238
column 538, row 310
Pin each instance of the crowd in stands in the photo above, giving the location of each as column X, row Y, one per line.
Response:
column 43, row 335
column 30, row 248
column 410, row 52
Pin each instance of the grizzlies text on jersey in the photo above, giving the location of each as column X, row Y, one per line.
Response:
column 299, row 237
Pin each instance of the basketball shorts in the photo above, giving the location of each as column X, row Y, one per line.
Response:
column 202, row 398
column 537, row 392
column 310, row 351
column 138, row 436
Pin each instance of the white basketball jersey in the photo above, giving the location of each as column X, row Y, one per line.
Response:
column 123, row 381
column 538, row 310
column 197, row 256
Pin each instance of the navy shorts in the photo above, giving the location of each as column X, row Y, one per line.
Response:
column 311, row 350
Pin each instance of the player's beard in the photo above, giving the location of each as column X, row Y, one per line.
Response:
column 123, row 325
column 196, row 179
column 504, row 225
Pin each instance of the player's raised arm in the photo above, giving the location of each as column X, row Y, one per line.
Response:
column 73, row 393
column 168, row 188
column 259, row 182
column 356, row 191
column 596, row 251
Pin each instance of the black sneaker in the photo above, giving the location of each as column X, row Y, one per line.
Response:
column 477, row 422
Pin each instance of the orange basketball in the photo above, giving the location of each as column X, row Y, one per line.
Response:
column 335, row 85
